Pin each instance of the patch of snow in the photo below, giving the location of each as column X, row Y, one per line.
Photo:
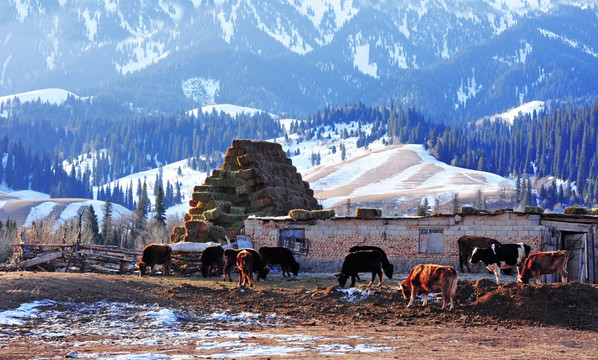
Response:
column 40, row 211
column 354, row 294
column 467, row 91
column 232, row 110
column 361, row 60
column 16, row 317
column 53, row 96
column 527, row 108
column 200, row 90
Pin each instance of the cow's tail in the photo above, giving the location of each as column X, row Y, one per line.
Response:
column 454, row 280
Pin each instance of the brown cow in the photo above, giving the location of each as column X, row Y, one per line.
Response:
column 541, row 263
column 466, row 246
column 245, row 266
column 155, row 254
column 230, row 256
column 427, row 278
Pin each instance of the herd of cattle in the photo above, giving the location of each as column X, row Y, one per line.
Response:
column 422, row 279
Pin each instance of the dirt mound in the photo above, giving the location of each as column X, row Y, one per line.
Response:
column 573, row 305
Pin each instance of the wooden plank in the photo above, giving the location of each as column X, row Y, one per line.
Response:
column 40, row 259
column 44, row 245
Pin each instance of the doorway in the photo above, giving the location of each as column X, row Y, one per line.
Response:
column 576, row 246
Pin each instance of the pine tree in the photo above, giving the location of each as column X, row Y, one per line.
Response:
column 455, row 204
column 107, row 222
column 92, row 224
column 160, row 210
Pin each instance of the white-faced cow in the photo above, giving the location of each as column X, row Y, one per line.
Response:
column 230, row 256
column 426, row 278
column 548, row 262
column 245, row 261
column 211, row 258
column 467, row 244
column 360, row 261
column 274, row 255
column 155, row 254
column 501, row 256
column 386, row 265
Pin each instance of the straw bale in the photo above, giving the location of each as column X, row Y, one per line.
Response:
column 366, row 213
column 212, row 214
column 201, row 196
column 223, row 205
column 593, row 211
column 468, row 210
column 192, row 203
column 300, row 214
column 187, row 217
column 178, row 234
column 235, row 151
column 201, row 188
column 322, row 214
column 244, row 190
column 237, row 210
column 260, row 203
column 247, row 174
column 533, row 210
column 194, row 227
column 198, row 238
column 575, row 210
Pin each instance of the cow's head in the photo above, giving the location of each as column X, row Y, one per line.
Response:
column 263, row 272
column 142, row 268
column 475, row 256
column 204, row 271
column 295, row 269
column 389, row 270
column 342, row 279
column 405, row 289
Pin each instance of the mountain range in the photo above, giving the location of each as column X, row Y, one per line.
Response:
column 452, row 60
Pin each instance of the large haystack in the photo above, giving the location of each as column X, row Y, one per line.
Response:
column 257, row 178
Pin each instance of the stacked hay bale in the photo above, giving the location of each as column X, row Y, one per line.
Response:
column 257, row 178
column 367, row 213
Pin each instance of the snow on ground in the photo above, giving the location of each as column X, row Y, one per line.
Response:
column 52, row 96
column 232, row 110
column 527, row 108
column 127, row 324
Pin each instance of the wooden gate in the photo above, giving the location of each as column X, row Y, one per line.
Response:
column 576, row 246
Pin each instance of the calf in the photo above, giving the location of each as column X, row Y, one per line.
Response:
column 211, row 258
column 360, row 261
column 541, row 263
column 245, row 261
column 501, row 256
column 467, row 244
column 426, row 278
column 230, row 256
column 155, row 254
column 273, row 255
column 386, row 265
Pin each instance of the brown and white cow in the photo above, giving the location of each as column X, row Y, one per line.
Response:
column 155, row 254
column 548, row 262
column 426, row 278
column 245, row 265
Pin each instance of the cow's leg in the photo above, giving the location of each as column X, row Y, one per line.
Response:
column 380, row 277
column 425, row 296
column 564, row 274
column 411, row 297
column 166, row 268
column 494, row 268
column 352, row 281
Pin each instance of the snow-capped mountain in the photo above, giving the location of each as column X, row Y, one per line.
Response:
column 474, row 57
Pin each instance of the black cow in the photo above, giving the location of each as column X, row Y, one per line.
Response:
column 212, row 258
column 501, row 256
column 467, row 244
column 230, row 257
column 360, row 261
column 274, row 255
column 386, row 265
column 155, row 254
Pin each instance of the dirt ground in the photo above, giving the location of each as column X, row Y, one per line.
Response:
column 490, row 321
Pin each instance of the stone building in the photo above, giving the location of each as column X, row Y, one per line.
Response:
column 322, row 244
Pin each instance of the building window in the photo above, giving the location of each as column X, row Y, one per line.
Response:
column 294, row 239
column 431, row 241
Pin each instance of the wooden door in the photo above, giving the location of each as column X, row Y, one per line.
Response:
column 575, row 244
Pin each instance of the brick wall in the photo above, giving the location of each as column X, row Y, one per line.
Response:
column 331, row 239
